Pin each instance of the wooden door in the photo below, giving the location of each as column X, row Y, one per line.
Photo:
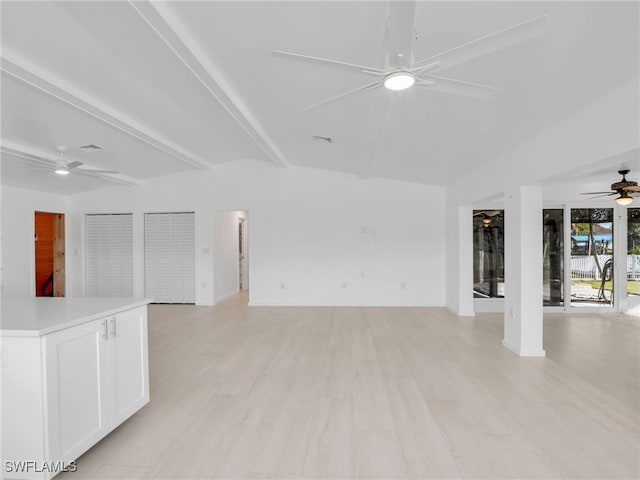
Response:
column 49, row 254
column 59, row 274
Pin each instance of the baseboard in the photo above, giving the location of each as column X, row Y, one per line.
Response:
column 523, row 352
column 461, row 313
column 335, row 304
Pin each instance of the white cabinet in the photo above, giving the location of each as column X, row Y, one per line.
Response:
column 70, row 388
column 96, row 378
column 128, row 364
column 76, row 391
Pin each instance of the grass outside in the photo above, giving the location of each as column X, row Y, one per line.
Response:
column 633, row 287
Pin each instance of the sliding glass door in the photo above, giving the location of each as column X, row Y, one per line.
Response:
column 633, row 252
column 552, row 257
column 488, row 253
column 592, row 257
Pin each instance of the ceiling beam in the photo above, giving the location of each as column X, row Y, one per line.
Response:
column 40, row 158
column 20, row 68
column 160, row 17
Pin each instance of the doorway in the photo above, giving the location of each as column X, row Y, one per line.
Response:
column 231, row 269
column 592, row 257
column 49, row 248
column 243, row 270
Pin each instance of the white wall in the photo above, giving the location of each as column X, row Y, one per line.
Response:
column 18, row 254
column 316, row 237
column 225, row 254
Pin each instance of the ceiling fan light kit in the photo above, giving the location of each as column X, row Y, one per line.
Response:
column 399, row 81
column 624, row 199
column 62, row 171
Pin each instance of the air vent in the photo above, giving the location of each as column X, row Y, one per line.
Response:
column 90, row 148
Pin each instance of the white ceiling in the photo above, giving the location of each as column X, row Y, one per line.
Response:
column 171, row 86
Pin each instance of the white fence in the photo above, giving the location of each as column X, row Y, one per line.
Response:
column 583, row 267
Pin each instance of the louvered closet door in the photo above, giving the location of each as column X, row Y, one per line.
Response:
column 109, row 248
column 169, row 256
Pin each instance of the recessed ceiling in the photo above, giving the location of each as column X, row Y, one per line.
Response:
column 171, row 86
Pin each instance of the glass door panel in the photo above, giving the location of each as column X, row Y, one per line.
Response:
column 592, row 256
column 552, row 257
column 488, row 253
column 633, row 252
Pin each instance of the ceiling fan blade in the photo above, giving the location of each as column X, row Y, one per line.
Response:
column 98, row 171
column 600, row 196
column 93, row 173
column 458, row 87
column 491, row 43
column 74, row 164
column 599, row 193
column 633, row 188
column 337, row 63
column 359, row 89
column 400, row 33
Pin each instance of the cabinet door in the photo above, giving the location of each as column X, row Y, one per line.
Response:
column 76, row 382
column 128, row 361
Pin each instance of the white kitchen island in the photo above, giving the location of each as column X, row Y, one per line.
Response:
column 72, row 369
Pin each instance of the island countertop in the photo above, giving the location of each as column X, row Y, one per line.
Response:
column 34, row 317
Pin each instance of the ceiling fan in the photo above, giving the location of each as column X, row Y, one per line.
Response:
column 63, row 167
column 626, row 189
column 58, row 165
column 402, row 71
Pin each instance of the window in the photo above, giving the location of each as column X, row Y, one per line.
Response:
column 488, row 253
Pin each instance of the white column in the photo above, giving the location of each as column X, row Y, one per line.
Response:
column 523, row 312
column 459, row 258
column 620, row 300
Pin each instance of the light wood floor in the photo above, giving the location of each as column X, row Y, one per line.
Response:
column 287, row 392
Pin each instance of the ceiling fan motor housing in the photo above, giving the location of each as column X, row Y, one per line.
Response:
column 624, row 183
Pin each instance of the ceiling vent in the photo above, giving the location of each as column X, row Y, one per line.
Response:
column 90, row 147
